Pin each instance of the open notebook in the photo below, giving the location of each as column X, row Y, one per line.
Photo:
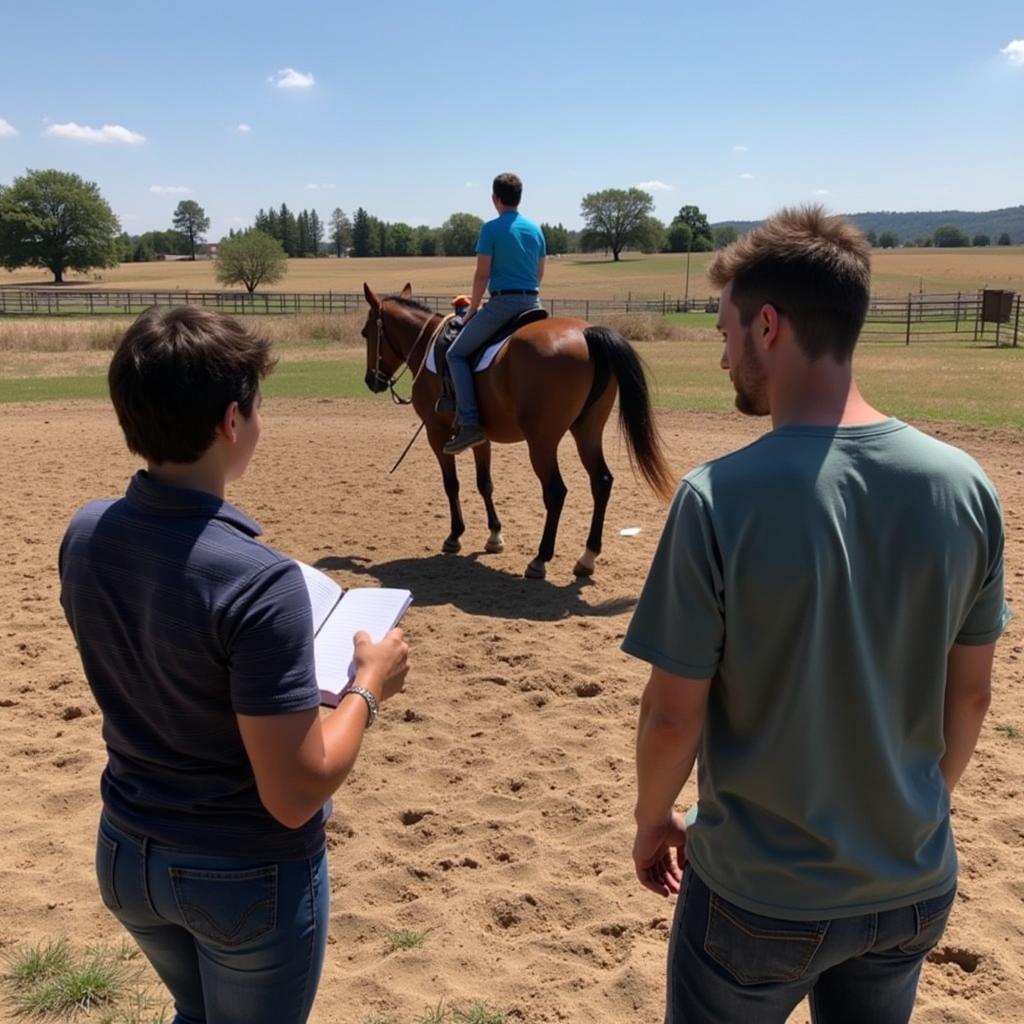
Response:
column 337, row 616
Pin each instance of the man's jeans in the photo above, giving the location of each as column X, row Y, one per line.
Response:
column 729, row 966
column 498, row 310
column 236, row 941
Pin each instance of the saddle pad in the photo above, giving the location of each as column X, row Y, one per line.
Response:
column 483, row 359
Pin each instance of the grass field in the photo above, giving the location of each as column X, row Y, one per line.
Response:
column 896, row 272
column 959, row 383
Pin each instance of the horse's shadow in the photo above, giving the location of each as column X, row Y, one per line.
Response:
column 476, row 588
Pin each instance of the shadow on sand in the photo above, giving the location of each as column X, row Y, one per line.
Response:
column 476, row 588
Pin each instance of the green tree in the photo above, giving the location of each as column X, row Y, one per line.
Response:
column 56, row 220
column 287, row 230
column 251, row 258
column 361, row 233
column 888, row 240
column 402, row 239
column 428, row 241
column 872, row 238
column 679, row 237
column 695, row 220
column 341, row 231
column 1004, row 239
column 948, row 236
column 316, row 233
column 652, row 237
column 723, row 235
column 556, row 239
column 459, row 234
column 615, row 218
column 981, row 239
column 191, row 220
column 302, row 234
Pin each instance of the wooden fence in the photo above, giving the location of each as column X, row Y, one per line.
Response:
column 917, row 317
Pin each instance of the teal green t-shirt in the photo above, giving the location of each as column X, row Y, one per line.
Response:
column 820, row 577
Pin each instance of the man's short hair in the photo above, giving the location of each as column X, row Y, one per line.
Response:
column 508, row 188
column 813, row 268
column 174, row 374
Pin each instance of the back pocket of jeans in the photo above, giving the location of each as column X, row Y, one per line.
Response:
column 228, row 908
column 106, row 859
column 758, row 950
column 932, row 916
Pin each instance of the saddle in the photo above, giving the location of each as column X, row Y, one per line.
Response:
column 446, row 403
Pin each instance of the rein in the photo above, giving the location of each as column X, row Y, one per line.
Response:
column 404, row 361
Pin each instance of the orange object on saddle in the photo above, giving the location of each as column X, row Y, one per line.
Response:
column 460, row 300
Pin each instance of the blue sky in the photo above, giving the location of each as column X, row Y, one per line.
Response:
column 410, row 109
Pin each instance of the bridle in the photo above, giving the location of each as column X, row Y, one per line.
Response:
column 380, row 378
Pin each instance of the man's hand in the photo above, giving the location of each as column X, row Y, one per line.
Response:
column 383, row 665
column 659, row 854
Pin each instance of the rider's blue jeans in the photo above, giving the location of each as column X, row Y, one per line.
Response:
column 498, row 310
column 729, row 966
column 236, row 941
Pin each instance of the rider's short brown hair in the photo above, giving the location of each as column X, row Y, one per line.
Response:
column 813, row 268
column 508, row 188
column 174, row 374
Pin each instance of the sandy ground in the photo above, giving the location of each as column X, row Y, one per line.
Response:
column 491, row 806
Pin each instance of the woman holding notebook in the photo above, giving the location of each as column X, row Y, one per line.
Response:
column 197, row 643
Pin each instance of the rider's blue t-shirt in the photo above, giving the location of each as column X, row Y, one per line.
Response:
column 516, row 247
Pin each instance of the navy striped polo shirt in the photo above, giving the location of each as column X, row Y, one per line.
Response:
column 184, row 620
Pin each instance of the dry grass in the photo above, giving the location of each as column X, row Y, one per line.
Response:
column 896, row 272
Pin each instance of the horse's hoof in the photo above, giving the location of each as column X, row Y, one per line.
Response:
column 535, row 570
column 495, row 545
column 581, row 569
column 451, row 546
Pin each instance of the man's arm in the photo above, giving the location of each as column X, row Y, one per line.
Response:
column 480, row 279
column 672, row 714
column 968, row 695
column 540, row 270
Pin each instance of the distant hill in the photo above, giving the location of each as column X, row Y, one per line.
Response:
column 922, row 223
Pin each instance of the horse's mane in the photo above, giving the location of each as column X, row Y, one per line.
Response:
column 411, row 303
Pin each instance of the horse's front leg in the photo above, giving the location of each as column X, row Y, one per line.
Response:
column 484, row 484
column 452, row 545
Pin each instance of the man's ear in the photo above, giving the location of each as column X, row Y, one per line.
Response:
column 229, row 422
column 768, row 325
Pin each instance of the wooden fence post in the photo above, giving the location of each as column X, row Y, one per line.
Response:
column 909, row 307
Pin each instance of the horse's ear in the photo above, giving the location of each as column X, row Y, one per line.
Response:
column 406, row 291
column 370, row 297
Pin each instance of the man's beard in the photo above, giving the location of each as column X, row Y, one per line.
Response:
column 748, row 378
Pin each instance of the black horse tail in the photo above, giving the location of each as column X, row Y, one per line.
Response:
column 611, row 352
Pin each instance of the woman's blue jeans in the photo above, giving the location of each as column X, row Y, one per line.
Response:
column 235, row 940
column 729, row 966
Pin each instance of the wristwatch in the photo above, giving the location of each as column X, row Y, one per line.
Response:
column 372, row 707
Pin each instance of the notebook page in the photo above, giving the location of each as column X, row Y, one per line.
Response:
column 376, row 610
column 324, row 593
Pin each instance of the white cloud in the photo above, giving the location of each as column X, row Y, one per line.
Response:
column 1015, row 52
column 6, row 128
column 472, row 184
column 328, row 184
column 244, row 129
column 740, row 149
column 170, row 190
column 746, row 177
column 822, row 192
column 83, row 133
column 655, row 186
column 289, row 78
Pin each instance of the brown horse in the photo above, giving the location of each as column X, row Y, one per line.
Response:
column 553, row 376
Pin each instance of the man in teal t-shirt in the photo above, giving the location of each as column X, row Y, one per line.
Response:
column 820, row 618
column 510, row 256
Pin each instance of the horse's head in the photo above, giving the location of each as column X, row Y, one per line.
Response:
column 383, row 356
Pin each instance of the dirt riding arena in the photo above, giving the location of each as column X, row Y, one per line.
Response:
column 491, row 807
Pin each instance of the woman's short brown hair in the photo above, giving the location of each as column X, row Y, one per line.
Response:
column 174, row 374
column 813, row 268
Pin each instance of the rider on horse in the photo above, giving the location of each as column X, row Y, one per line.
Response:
column 510, row 265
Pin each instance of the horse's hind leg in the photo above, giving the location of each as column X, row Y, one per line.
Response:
column 544, row 457
column 484, row 484
column 588, row 436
